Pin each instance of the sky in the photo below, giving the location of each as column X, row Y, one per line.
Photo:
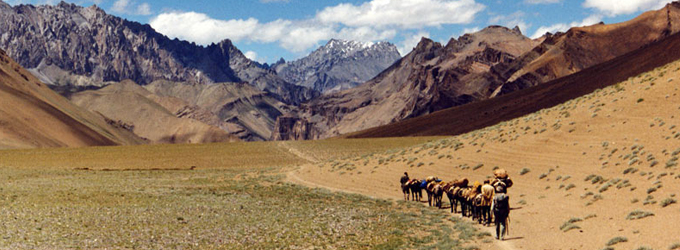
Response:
column 266, row 30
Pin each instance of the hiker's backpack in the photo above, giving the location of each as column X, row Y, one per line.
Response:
column 502, row 203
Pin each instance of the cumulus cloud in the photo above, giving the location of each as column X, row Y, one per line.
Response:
column 376, row 20
column 619, row 7
column 512, row 20
column 410, row 42
column 202, row 29
column 144, row 9
column 120, row 6
column 402, row 13
column 127, row 7
column 252, row 55
column 561, row 27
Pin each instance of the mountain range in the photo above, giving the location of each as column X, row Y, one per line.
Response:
column 32, row 115
column 170, row 91
column 339, row 65
column 492, row 62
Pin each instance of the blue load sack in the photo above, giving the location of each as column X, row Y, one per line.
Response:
column 423, row 184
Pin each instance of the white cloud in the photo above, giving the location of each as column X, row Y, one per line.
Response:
column 127, row 7
column 561, row 27
column 470, row 30
column 510, row 21
column 618, row 7
column 144, row 9
column 252, row 55
column 202, row 29
column 120, row 6
column 376, row 20
column 274, row 1
column 402, row 13
column 410, row 41
column 295, row 36
column 541, row 1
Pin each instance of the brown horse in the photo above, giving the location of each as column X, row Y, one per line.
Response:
column 416, row 189
column 451, row 189
column 433, row 191
column 406, row 190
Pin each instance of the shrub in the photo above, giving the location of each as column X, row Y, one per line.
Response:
column 524, row 171
column 617, row 240
column 638, row 214
column 668, row 202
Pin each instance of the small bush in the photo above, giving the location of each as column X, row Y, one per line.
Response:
column 674, row 246
column 668, row 202
column 640, row 100
column 617, row 240
column 638, row 214
column 524, row 171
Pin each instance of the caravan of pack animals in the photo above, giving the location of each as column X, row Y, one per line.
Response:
column 476, row 200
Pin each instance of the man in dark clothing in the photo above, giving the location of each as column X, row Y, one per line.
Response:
column 404, row 185
column 404, row 178
column 501, row 210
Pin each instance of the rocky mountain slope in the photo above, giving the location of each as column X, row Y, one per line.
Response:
column 32, row 115
column 582, row 47
column 339, row 65
column 453, row 83
column 430, row 78
column 478, row 115
column 148, row 115
column 238, row 108
column 68, row 44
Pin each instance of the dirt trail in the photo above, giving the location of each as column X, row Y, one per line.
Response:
column 292, row 176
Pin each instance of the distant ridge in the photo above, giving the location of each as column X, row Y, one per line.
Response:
column 33, row 116
column 339, row 65
column 68, row 44
column 473, row 116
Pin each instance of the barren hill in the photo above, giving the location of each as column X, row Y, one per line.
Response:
column 235, row 107
column 430, row 78
column 32, row 115
column 477, row 115
column 582, row 47
column 146, row 114
column 66, row 44
column 441, row 77
column 599, row 171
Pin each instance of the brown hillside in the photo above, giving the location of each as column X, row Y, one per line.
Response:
column 32, row 115
column 587, row 173
column 481, row 114
column 582, row 47
column 147, row 116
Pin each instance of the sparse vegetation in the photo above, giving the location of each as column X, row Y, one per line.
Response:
column 667, row 202
column 524, row 171
column 617, row 240
column 638, row 214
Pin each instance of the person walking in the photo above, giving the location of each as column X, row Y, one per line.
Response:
column 501, row 210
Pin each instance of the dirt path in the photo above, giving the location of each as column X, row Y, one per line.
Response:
column 293, row 177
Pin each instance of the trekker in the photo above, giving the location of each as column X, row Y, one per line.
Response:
column 404, row 179
column 501, row 178
column 501, row 209
column 487, row 197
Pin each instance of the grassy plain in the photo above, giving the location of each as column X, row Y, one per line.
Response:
column 235, row 198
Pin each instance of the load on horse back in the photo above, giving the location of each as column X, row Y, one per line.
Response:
column 404, row 185
column 433, row 188
column 501, row 178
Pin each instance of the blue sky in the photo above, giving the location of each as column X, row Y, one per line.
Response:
column 267, row 30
